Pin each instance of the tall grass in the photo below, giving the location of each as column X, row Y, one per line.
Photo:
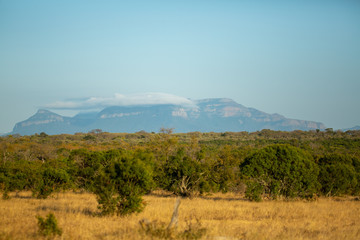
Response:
column 223, row 216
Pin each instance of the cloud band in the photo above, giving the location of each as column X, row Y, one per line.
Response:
column 120, row 100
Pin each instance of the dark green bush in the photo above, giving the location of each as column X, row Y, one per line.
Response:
column 254, row 191
column 52, row 180
column 120, row 186
column 280, row 170
column 86, row 165
column 183, row 175
column 18, row 176
column 338, row 175
column 224, row 171
column 356, row 164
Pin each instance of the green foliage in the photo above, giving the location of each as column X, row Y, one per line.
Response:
column 280, row 170
column 183, row 175
column 338, row 175
column 183, row 163
column 51, row 180
column 121, row 184
column 18, row 176
column 43, row 134
column 254, row 191
column 356, row 164
column 86, row 165
column 89, row 138
column 224, row 170
column 5, row 195
column 48, row 227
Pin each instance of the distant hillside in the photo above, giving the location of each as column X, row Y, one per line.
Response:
column 207, row 115
column 353, row 128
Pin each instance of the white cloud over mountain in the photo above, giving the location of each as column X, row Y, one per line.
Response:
column 120, row 100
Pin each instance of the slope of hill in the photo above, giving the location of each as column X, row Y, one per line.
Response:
column 207, row 115
column 353, row 128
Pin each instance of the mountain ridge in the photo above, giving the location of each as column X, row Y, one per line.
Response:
column 205, row 115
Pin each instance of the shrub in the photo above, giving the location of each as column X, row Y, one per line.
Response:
column 18, row 176
column 356, row 164
column 86, row 165
column 49, row 226
column 183, row 175
column 121, row 184
column 280, row 170
column 254, row 191
column 223, row 171
column 337, row 174
column 51, row 180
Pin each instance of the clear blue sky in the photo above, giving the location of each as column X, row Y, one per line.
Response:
column 300, row 59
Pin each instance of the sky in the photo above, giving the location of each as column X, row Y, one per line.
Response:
column 300, row 59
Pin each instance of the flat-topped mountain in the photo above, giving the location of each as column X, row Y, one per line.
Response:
column 206, row 115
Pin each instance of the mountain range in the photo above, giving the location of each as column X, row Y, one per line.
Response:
column 352, row 129
column 206, row 115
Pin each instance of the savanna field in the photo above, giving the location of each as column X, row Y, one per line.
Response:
column 223, row 216
column 263, row 185
column 179, row 120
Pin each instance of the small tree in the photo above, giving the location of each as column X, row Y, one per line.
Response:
column 224, row 170
column 18, row 176
column 337, row 174
column 51, row 180
column 280, row 170
column 86, row 165
column 182, row 175
column 120, row 186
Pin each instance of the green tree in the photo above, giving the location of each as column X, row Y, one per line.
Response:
column 337, row 174
column 183, row 175
column 280, row 170
column 18, row 175
column 120, row 186
column 224, row 170
column 51, row 180
column 86, row 166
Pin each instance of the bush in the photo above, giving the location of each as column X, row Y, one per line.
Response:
column 51, row 180
column 337, row 175
column 121, row 184
column 254, row 191
column 280, row 170
column 48, row 227
column 86, row 165
column 183, row 175
column 223, row 172
column 18, row 176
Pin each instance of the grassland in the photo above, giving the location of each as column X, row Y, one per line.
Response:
column 224, row 216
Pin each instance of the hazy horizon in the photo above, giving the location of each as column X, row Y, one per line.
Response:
column 297, row 59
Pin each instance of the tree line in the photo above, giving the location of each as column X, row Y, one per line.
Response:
column 120, row 168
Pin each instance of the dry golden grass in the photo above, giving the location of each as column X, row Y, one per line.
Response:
column 224, row 216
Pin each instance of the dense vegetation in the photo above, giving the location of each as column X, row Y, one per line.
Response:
column 120, row 168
